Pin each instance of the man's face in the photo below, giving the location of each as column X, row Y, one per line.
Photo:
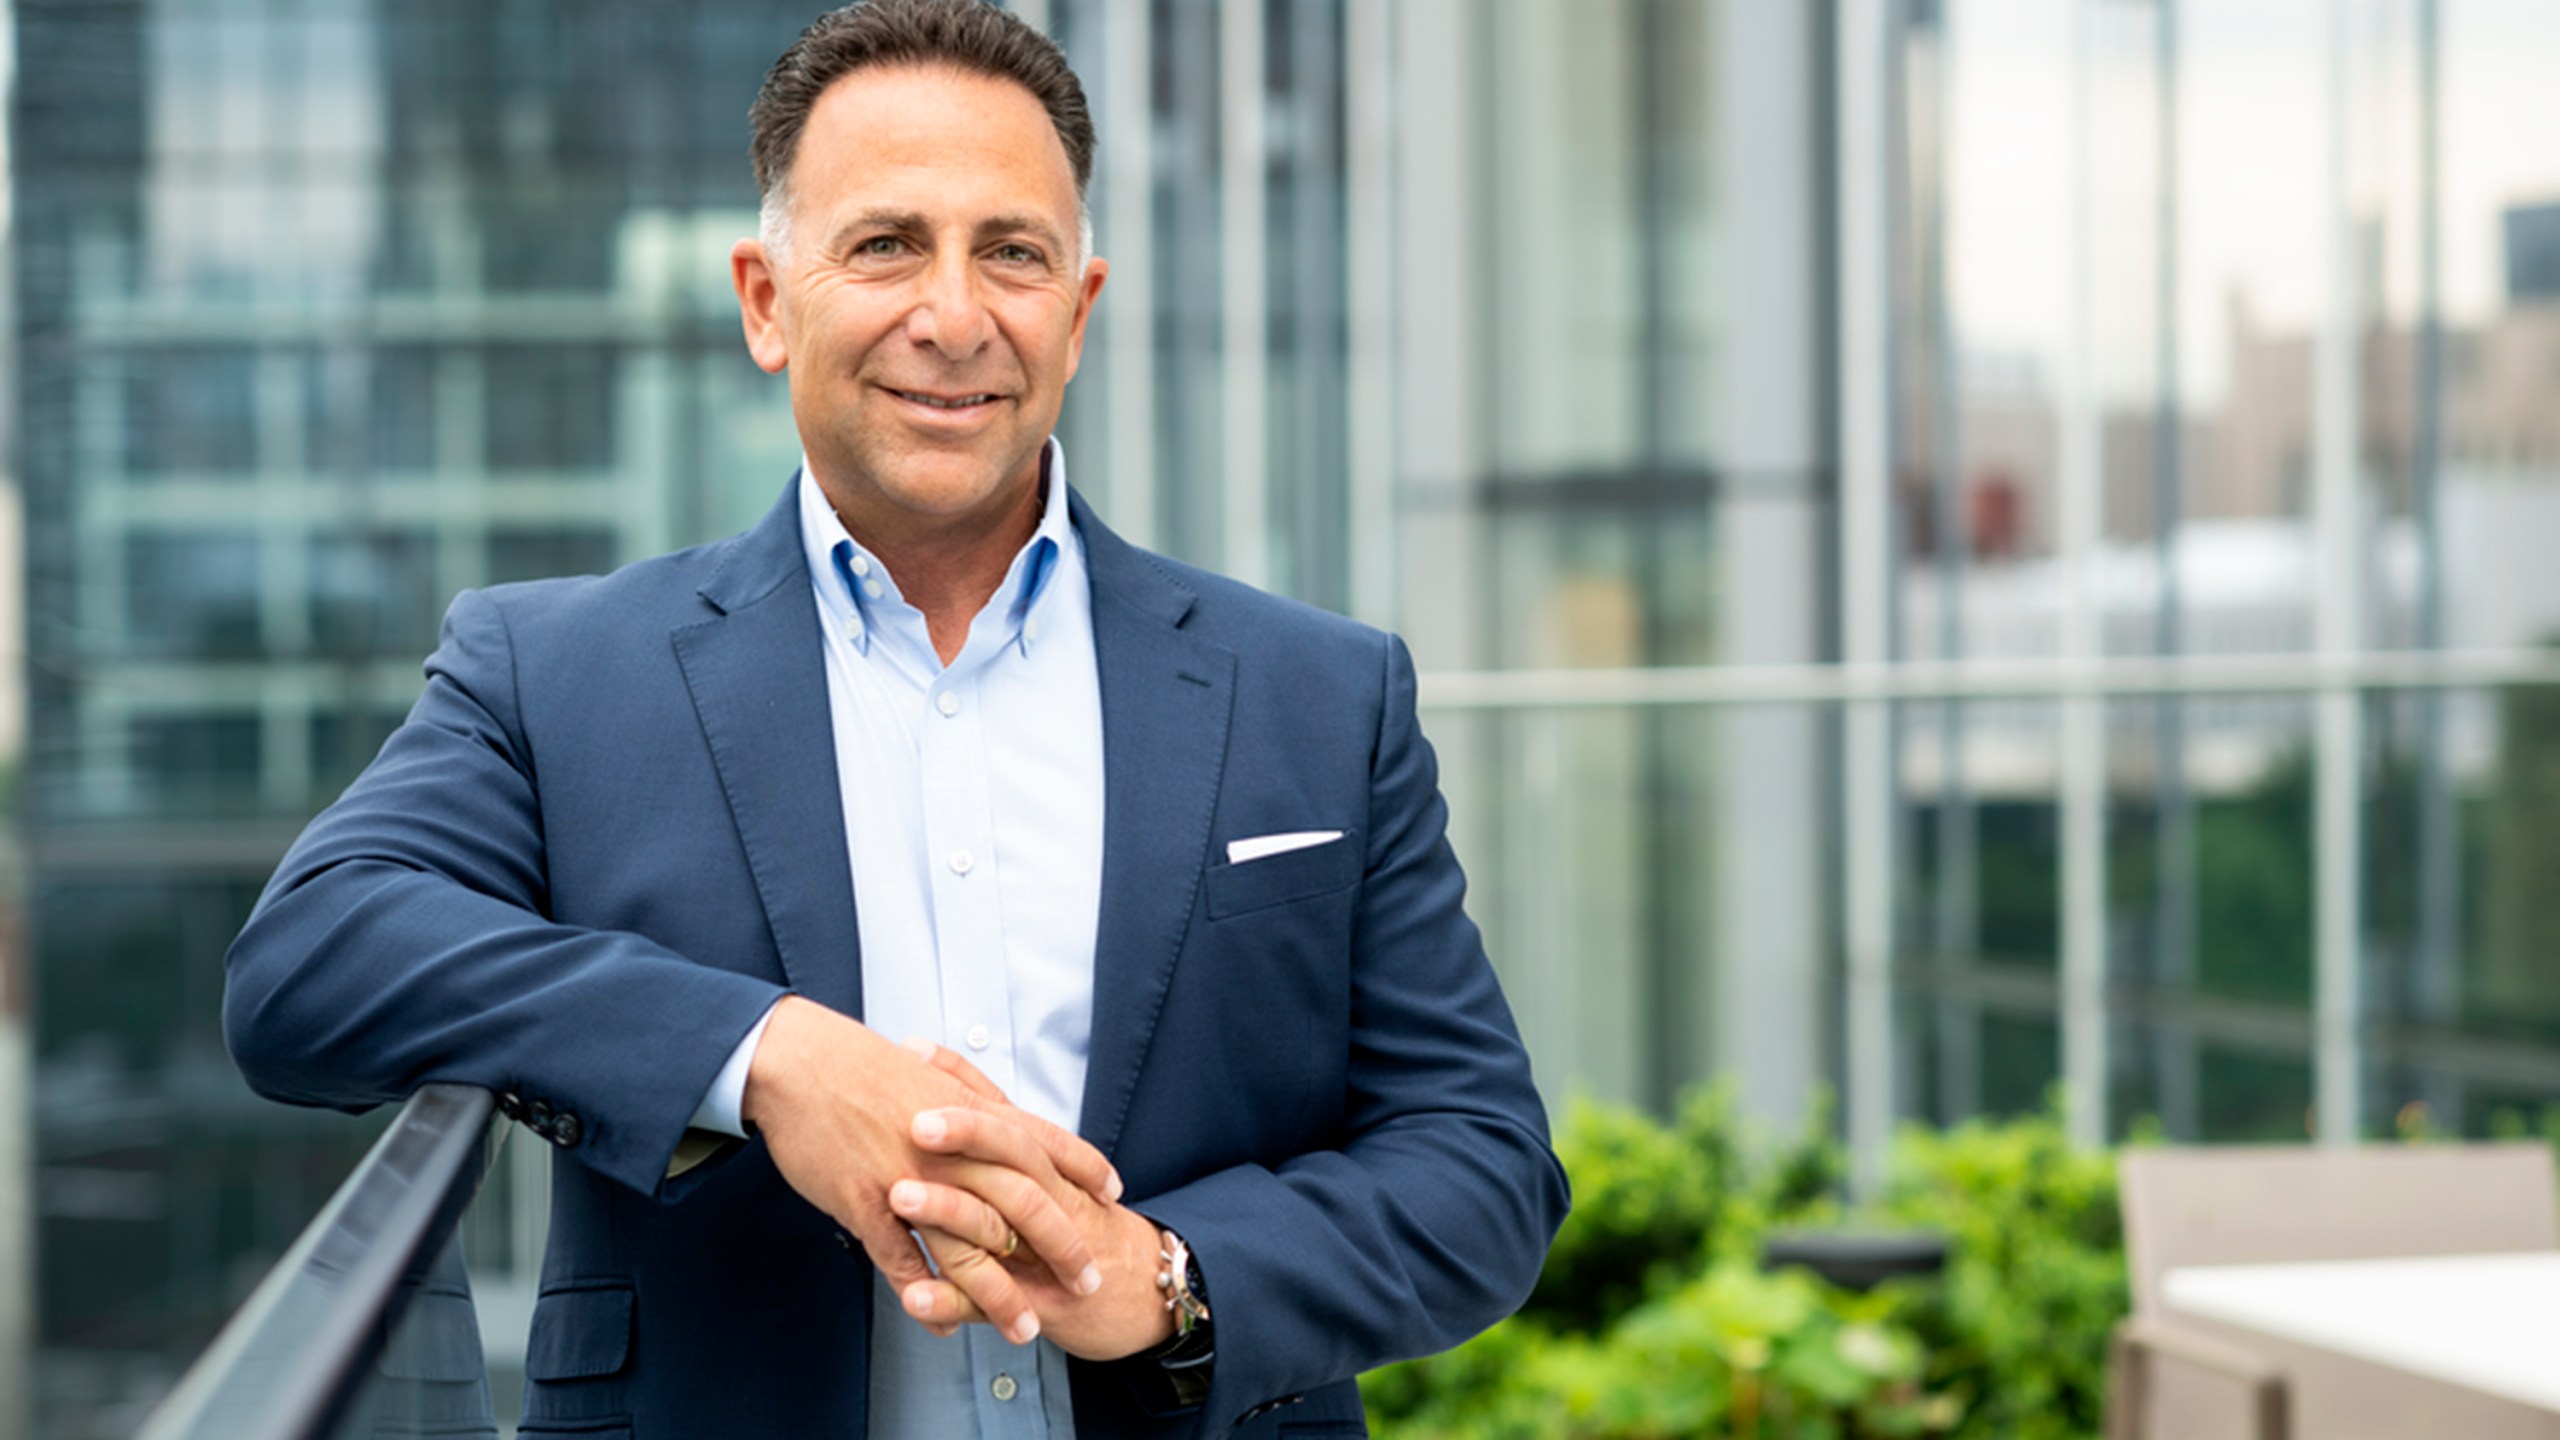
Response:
column 931, row 306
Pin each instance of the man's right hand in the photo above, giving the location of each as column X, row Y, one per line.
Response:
column 835, row 1103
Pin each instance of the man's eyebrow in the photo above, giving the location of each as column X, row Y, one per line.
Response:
column 904, row 222
column 885, row 219
column 1027, row 223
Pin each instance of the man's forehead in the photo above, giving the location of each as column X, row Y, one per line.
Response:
column 877, row 102
column 990, row 96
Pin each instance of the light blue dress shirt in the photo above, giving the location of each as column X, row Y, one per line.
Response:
column 973, row 822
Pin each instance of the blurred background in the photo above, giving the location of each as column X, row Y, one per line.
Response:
column 1954, row 545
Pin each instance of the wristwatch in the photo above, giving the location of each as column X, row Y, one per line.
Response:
column 1187, row 1358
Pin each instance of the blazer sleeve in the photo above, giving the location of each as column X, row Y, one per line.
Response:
column 406, row 938
column 1432, row 1218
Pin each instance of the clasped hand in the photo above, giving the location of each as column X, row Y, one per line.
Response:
column 891, row 1140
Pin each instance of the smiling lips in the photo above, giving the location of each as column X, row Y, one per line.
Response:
column 942, row 402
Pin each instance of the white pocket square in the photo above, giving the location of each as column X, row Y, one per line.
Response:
column 1261, row 846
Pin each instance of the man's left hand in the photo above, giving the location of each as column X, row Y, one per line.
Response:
column 968, row 1232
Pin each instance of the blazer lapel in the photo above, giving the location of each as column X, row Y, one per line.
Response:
column 1166, row 696
column 759, row 685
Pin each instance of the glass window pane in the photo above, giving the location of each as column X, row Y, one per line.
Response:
column 550, row 407
column 373, row 594
column 192, row 411
column 192, row 594
column 536, row 554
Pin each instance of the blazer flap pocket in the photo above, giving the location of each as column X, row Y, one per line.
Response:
column 1279, row 879
column 579, row 1333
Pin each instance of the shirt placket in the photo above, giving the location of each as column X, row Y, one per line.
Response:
column 977, row 1012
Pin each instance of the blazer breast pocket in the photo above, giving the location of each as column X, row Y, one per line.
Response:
column 1278, row 879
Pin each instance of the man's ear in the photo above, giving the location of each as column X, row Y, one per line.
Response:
column 1096, row 270
column 753, row 275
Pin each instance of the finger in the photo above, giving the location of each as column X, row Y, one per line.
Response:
column 1000, row 1163
column 892, row 1251
column 1019, row 1140
column 983, row 1281
column 1085, row 1167
column 1049, row 1234
column 950, row 1062
column 953, row 1212
column 939, row 1306
column 1069, row 1153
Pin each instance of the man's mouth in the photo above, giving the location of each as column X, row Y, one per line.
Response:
column 943, row 402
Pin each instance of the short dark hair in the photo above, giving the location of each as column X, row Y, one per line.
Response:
column 973, row 36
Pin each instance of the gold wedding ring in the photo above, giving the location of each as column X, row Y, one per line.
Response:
column 1012, row 1242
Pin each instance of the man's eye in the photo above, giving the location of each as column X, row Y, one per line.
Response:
column 1017, row 255
column 880, row 245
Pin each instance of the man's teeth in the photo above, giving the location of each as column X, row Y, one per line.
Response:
column 957, row 402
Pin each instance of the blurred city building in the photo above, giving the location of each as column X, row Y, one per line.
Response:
column 1786, row 434
column 326, row 311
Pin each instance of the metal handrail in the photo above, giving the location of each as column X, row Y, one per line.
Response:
column 293, row 1358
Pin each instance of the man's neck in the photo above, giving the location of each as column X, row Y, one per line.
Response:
column 949, row 573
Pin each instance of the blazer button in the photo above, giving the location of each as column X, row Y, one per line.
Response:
column 537, row 1117
column 844, row 1242
column 511, row 1105
column 565, row 1130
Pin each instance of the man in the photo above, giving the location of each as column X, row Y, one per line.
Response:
column 929, row 755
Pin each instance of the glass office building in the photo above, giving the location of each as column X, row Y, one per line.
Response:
column 1954, row 545
column 328, row 310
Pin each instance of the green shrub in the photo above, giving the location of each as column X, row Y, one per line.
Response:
column 2017, row 1331
column 1653, row 1321
column 1654, row 1204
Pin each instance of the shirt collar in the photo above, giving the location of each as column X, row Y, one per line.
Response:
column 852, row 583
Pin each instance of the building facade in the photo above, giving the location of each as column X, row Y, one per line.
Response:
column 1818, row 454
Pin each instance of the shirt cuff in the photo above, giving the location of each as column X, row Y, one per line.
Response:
column 718, row 1111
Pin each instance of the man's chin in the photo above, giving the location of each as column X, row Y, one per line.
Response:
column 951, row 499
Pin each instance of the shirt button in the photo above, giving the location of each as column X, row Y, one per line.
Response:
column 1031, row 629
column 947, row 703
column 1002, row 1387
column 853, row 630
column 872, row 589
column 962, row 862
column 861, row 564
column 978, row 1037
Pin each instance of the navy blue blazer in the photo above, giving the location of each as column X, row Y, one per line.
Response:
column 609, row 836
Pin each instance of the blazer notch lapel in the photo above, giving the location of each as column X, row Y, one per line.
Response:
column 1166, row 702
column 758, row 682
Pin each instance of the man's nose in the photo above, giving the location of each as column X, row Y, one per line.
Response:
column 949, row 313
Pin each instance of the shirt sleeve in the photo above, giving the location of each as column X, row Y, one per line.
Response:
column 718, row 1111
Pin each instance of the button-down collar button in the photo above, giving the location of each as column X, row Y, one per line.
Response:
column 947, row 703
column 1002, row 1387
column 1031, row 628
column 862, row 565
column 978, row 1037
column 872, row 588
column 853, row 629
column 565, row 1131
column 962, row 862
